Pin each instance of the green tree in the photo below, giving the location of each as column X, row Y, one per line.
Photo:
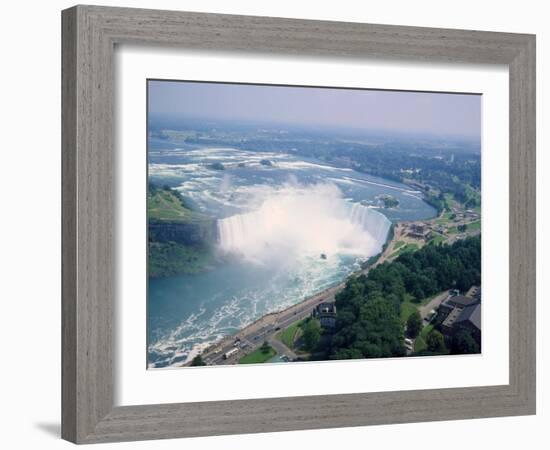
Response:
column 312, row 334
column 377, row 331
column 265, row 348
column 464, row 343
column 414, row 324
column 198, row 361
column 436, row 342
column 368, row 323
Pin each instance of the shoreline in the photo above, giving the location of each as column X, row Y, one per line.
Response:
column 267, row 323
column 267, row 326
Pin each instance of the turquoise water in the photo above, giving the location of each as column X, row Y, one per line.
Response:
column 280, row 218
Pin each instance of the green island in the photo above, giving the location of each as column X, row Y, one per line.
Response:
column 179, row 239
column 266, row 162
column 389, row 201
column 216, row 166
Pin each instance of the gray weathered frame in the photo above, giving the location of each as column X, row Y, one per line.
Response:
column 89, row 34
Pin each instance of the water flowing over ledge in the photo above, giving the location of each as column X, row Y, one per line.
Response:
column 304, row 221
column 276, row 225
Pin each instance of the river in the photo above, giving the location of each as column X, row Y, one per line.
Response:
column 289, row 227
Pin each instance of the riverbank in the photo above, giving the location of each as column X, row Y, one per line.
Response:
column 251, row 337
column 405, row 236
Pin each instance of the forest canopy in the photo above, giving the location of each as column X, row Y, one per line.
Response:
column 368, row 324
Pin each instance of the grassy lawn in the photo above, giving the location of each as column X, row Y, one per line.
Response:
column 289, row 335
column 420, row 342
column 164, row 205
column 398, row 245
column 472, row 226
column 445, row 218
column 405, row 248
column 438, row 238
column 407, row 308
column 258, row 356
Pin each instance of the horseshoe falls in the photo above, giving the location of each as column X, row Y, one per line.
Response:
column 285, row 232
column 304, row 221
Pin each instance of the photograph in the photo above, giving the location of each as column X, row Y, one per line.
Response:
column 299, row 224
column 267, row 225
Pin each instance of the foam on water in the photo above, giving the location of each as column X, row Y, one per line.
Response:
column 281, row 287
column 294, row 221
column 274, row 222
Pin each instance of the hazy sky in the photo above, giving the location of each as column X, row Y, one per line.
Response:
column 456, row 114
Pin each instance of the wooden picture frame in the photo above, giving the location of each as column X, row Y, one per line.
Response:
column 89, row 35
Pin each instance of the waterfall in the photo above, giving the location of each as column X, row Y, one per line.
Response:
column 235, row 231
column 372, row 221
column 304, row 223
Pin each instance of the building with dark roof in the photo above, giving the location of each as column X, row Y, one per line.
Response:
column 471, row 314
column 463, row 312
column 457, row 301
column 419, row 231
column 469, row 319
column 326, row 314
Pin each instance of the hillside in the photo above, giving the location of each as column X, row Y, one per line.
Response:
column 166, row 205
column 180, row 239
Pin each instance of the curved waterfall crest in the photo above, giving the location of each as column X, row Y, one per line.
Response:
column 304, row 222
column 371, row 220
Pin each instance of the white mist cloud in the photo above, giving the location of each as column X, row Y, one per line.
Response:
column 295, row 221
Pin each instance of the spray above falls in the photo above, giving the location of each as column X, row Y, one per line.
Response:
column 295, row 221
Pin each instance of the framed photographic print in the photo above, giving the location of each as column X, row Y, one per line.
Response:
column 276, row 224
column 272, row 211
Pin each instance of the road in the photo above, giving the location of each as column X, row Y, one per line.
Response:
column 282, row 349
column 432, row 304
column 253, row 336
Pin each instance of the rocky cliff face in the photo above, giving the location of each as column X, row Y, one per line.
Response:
column 193, row 233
